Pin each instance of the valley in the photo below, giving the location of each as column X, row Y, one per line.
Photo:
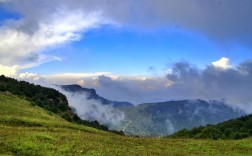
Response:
column 162, row 118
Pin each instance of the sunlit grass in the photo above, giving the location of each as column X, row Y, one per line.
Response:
column 29, row 130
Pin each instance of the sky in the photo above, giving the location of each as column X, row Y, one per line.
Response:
column 136, row 51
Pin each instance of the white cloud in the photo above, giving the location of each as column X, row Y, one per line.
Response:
column 8, row 70
column 81, row 83
column 76, row 75
column 93, row 109
column 29, row 76
column 40, row 60
column 134, row 89
column 222, row 63
column 25, row 48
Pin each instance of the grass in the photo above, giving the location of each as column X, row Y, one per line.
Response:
column 30, row 130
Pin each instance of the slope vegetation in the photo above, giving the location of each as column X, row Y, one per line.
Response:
column 233, row 129
column 26, row 129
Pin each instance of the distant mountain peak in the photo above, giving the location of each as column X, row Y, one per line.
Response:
column 91, row 94
column 76, row 86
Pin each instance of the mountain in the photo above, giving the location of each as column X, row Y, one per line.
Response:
column 232, row 129
column 163, row 118
column 92, row 95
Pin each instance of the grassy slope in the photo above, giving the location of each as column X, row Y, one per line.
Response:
column 31, row 130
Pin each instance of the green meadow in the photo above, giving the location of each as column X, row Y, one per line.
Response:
column 26, row 129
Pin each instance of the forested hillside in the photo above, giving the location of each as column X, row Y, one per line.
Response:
column 233, row 129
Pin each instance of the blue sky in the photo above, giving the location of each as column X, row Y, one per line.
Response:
column 127, row 51
column 137, row 51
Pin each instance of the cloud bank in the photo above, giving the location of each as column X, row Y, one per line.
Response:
column 233, row 85
column 218, row 81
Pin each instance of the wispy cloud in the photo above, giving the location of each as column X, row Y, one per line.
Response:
column 222, row 63
column 93, row 109
column 23, row 40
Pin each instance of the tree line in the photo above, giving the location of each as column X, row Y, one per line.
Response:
column 232, row 129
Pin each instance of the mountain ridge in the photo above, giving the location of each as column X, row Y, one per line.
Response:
column 153, row 119
column 92, row 94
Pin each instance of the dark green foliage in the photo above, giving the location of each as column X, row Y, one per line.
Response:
column 118, row 132
column 47, row 98
column 233, row 129
column 2, row 88
column 210, row 132
column 183, row 133
column 95, row 124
